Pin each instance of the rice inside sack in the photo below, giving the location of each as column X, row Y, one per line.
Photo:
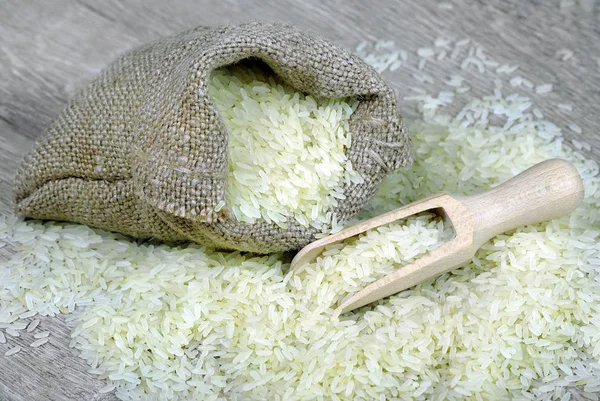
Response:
column 143, row 150
column 287, row 149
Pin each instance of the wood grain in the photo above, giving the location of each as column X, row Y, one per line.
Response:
column 48, row 48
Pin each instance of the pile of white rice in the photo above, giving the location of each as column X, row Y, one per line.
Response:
column 520, row 321
column 287, row 150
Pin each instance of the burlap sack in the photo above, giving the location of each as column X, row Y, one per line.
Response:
column 142, row 150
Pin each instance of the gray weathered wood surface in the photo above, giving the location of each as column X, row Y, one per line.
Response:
column 48, row 48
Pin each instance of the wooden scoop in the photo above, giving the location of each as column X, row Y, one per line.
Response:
column 546, row 191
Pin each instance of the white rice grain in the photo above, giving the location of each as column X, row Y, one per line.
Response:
column 12, row 351
column 566, row 107
column 39, row 343
column 543, row 88
column 575, row 128
column 33, row 325
column 12, row 332
column 17, row 326
column 425, row 52
column 27, row 314
column 443, row 43
column 564, row 54
column 527, row 83
column 507, row 69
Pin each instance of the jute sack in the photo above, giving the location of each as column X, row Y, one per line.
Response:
column 142, row 150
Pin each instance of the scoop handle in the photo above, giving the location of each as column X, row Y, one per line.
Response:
column 546, row 191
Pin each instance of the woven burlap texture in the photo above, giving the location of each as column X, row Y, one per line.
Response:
column 142, row 150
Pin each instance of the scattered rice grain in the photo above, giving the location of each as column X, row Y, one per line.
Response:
column 33, row 325
column 544, row 88
column 575, row 128
column 39, row 343
column 12, row 332
column 12, row 351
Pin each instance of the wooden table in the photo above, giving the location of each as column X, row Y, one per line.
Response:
column 49, row 48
